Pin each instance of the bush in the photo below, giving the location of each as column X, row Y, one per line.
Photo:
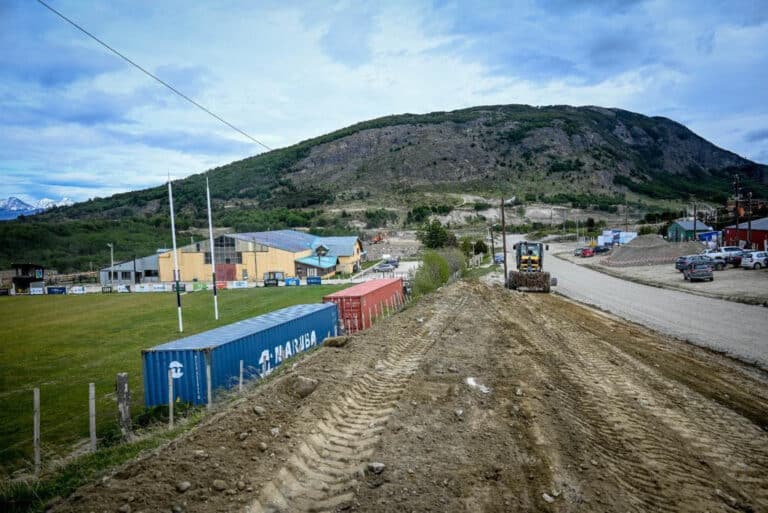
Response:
column 434, row 272
column 481, row 247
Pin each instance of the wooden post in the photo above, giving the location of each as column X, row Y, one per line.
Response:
column 124, row 406
column 92, row 414
column 36, row 428
column 240, row 386
column 208, row 380
column 170, row 399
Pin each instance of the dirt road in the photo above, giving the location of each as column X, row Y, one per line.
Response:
column 475, row 399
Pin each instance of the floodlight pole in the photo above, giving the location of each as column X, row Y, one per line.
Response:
column 213, row 258
column 111, row 262
column 175, row 258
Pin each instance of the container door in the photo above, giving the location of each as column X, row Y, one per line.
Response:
column 226, row 272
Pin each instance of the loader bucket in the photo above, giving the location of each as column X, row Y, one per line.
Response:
column 529, row 281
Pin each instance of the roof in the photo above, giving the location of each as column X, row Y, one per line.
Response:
column 338, row 246
column 325, row 262
column 295, row 241
column 757, row 224
column 688, row 225
column 288, row 240
column 225, row 334
column 361, row 289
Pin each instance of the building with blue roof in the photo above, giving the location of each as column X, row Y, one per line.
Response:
column 249, row 256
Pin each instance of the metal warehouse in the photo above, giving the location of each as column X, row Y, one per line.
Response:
column 202, row 363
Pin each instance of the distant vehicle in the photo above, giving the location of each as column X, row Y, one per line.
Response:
column 602, row 249
column 384, row 268
column 698, row 271
column 498, row 258
column 684, row 261
column 728, row 254
column 587, row 252
column 393, row 262
column 577, row 251
column 754, row 260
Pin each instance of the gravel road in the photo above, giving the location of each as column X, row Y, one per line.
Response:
column 735, row 329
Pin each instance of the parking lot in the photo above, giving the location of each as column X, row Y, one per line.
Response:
column 736, row 284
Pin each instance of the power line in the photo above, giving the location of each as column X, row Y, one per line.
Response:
column 155, row 77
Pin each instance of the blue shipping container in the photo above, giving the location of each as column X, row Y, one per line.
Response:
column 262, row 342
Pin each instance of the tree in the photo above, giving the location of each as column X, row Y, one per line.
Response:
column 481, row 247
column 434, row 235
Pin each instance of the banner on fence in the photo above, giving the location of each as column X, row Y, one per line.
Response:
column 77, row 289
column 36, row 291
column 292, row 282
column 123, row 288
column 237, row 284
column 199, row 286
column 314, row 280
column 57, row 290
column 158, row 287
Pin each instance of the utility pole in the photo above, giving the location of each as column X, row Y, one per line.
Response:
column 493, row 248
column 504, row 239
column 694, row 221
column 749, row 220
column 737, row 193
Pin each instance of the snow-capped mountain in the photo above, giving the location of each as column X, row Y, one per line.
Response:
column 12, row 207
column 47, row 203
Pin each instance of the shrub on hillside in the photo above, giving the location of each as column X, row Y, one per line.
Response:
column 434, row 272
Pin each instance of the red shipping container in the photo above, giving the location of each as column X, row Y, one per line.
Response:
column 359, row 305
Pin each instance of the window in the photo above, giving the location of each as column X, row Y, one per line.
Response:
column 151, row 273
column 126, row 275
column 239, row 258
column 207, row 258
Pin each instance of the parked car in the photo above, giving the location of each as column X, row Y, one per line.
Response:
column 587, row 252
column 698, row 271
column 498, row 258
column 393, row 262
column 384, row 268
column 684, row 261
column 577, row 251
column 754, row 260
column 602, row 249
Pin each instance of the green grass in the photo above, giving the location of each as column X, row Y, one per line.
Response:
column 61, row 343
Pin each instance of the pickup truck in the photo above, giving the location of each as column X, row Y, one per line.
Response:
column 728, row 254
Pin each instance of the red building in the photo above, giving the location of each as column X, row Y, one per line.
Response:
column 733, row 236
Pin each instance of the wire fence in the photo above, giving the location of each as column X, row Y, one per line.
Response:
column 66, row 426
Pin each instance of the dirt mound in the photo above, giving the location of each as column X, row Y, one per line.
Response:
column 650, row 250
column 474, row 399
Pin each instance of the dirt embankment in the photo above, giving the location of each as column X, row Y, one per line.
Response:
column 475, row 399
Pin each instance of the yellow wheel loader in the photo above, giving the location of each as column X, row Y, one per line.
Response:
column 529, row 274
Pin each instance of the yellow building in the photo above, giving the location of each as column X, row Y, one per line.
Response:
column 248, row 256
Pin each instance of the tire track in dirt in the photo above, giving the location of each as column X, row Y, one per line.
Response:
column 614, row 403
column 322, row 473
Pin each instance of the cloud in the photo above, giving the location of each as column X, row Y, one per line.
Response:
column 757, row 135
column 75, row 118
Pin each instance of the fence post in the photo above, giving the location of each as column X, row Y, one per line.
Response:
column 170, row 399
column 208, row 380
column 92, row 414
column 370, row 319
column 240, row 386
column 123, row 405
column 36, row 428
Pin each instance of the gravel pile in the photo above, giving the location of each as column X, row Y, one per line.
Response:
column 650, row 250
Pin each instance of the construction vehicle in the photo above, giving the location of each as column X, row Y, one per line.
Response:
column 529, row 274
column 379, row 237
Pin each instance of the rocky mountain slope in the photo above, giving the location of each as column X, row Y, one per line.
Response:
column 578, row 156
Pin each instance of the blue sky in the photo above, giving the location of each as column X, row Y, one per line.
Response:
column 76, row 121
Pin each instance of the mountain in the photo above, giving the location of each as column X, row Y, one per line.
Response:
column 12, row 207
column 580, row 156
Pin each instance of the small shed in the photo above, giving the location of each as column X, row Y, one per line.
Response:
column 25, row 275
column 682, row 230
column 138, row 270
column 324, row 267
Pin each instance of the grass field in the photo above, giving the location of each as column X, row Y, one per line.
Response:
column 62, row 343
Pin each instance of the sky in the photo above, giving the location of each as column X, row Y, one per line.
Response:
column 78, row 122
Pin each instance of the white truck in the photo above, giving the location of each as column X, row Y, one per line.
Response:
column 727, row 254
